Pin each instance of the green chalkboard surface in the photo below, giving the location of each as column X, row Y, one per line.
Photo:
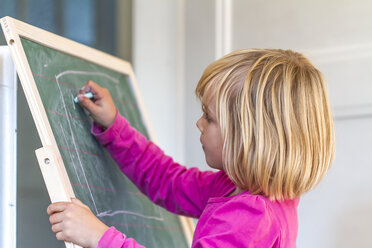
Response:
column 95, row 177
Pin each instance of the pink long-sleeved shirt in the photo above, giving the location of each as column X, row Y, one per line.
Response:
column 242, row 220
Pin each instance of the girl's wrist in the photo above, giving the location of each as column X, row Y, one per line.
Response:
column 110, row 121
column 98, row 235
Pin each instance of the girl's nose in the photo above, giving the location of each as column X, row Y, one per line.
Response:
column 199, row 125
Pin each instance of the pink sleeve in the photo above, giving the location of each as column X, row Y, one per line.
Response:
column 168, row 184
column 114, row 239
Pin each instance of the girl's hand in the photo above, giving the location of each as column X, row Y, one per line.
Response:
column 101, row 107
column 74, row 222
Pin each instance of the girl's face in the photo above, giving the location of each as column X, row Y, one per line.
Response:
column 210, row 137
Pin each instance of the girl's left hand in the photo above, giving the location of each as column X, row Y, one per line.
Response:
column 74, row 222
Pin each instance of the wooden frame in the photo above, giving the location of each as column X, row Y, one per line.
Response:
column 49, row 156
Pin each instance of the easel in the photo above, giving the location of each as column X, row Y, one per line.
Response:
column 49, row 157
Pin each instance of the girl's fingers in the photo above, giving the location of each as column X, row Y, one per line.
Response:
column 97, row 90
column 84, row 90
column 57, row 207
column 56, row 218
column 57, row 227
column 91, row 86
column 59, row 236
column 88, row 104
column 101, row 108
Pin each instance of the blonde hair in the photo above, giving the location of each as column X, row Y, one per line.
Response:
column 275, row 119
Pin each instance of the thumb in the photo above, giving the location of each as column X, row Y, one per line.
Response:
column 88, row 104
column 78, row 202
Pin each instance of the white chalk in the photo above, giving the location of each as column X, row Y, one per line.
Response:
column 88, row 94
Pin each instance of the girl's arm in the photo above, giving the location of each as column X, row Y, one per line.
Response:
column 180, row 190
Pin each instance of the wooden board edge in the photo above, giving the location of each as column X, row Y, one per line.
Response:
column 50, row 165
column 31, row 92
column 27, row 81
column 68, row 46
column 188, row 227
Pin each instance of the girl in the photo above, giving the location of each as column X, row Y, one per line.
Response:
column 267, row 128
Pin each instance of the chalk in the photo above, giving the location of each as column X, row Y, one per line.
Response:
column 88, row 94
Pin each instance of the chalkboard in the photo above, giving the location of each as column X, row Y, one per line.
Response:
column 94, row 176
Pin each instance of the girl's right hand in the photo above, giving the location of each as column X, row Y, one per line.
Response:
column 101, row 107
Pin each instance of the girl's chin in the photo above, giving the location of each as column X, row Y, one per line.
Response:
column 214, row 166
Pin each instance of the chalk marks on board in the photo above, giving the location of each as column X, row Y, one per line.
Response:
column 69, row 151
column 87, row 73
column 73, row 137
column 112, row 213
column 70, row 133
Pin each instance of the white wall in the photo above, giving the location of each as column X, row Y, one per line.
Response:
column 199, row 52
column 337, row 36
column 156, row 60
column 8, row 150
column 173, row 41
column 176, row 40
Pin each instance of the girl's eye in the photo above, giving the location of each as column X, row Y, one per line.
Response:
column 206, row 116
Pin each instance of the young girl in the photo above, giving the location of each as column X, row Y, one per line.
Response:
column 267, row 128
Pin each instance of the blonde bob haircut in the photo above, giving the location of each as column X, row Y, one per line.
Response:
column 273, row 111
